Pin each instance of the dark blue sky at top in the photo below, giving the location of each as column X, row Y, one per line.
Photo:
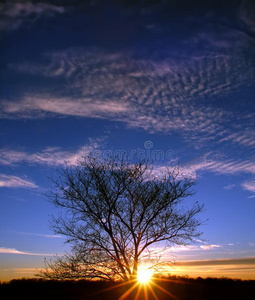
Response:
column 135, row 76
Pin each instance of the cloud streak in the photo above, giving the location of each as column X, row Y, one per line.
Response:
column 209, row 247
column 249, row 186
column 223, row 167
column 229, row 187
column 233, row 268
column 10, row 181
column 14, row 14
column 229, row 166
column 4, row 250
column 38, row 234
column 235, row 261
column 51, row 156
column 34, row 107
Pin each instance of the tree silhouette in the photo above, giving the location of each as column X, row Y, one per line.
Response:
column 113, row 212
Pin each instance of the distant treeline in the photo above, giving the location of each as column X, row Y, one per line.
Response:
column 182, row 288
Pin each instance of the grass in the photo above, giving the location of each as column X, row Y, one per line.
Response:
column 172, row 287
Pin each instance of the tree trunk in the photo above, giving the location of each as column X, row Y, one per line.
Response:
column 135, row 266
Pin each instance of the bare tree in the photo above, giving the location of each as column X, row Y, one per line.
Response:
column 113, row 212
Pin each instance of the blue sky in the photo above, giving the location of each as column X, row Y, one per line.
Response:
column 172, row 81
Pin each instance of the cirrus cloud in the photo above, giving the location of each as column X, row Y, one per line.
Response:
column 209, row 247
column 249, row 185
column 15, row 13
column 10, row 181
column 4, row 250
column 164, row 95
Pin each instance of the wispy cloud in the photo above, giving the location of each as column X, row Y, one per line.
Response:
column 162, row 95
column 242, row 137
column 227, row 166
column 223, row 167
column 247, row 15
column 15, row 13
column 10, row 181
column 249, row 185
column 227, row 261
column 233, row 268
column 65, row 106
column 4, row 250
column 183, row 248
column 38, row 234
column 209, row 247
column 229, row 187
column 30, row 271
column 52, row 156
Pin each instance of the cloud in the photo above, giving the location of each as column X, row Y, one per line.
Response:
column 4, row 250
column 247, row 14
column 45, row 105
column 242, row 137
column 52, row 156
column 209, row 247
column 15, row 182
column 235, row 261
column 168, row 253
column 222, row 167
column 227, row 261
column 229, row 187
column 249, row 185
column 182, row 248
column 14, row 13
column 233, row 268
column 38, row 234
column 30, row 271
column 227, row 166
column 211, row 162
column 173, row 88
column 163, row 95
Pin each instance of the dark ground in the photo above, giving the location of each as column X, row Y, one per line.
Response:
column 180, row 287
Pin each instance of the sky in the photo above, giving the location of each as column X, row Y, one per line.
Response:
column 172, row 81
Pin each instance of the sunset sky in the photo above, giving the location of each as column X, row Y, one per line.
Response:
column 172, row 81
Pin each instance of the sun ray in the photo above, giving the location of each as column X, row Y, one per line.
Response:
column 145, row 286
column 128, row 291
column 112, row 287
column 165, row 291
column 145, row 292
column 138, row 292
column 153, row 293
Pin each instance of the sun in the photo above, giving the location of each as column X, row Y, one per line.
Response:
column 144, row 275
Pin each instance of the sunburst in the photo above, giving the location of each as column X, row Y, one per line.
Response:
column 144, row 275
column 145, row 286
